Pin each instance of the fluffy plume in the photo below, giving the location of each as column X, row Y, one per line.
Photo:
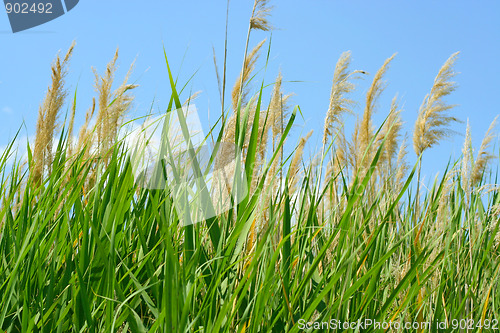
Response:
column 401, row 165
column 432, row 121
column 112, row 106
column 191, row 98
column 121, row 103
column 391, row 132
column 341, row 152
column 248, row 67
column 83, row 136
column 70, row 130
column 47, row 116
column 103, row 87
column 278, row 110
column 339, row 102
column 295, row 164
column 466, row 163
column 364, row 128
column 268, row 118
column 483, row 157
column 376, row 88
column 260, row 13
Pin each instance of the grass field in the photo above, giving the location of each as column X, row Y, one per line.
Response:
column 348, row 236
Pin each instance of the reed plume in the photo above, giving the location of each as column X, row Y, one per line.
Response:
column 121, row 103
column 112, row 105
column 191, row 98
column 391, row 131
column 260, row 13
column 103, row 88
column 270, row 116
column 432, row 121
column 339, row 102
column 364, row 128
column 258, row 21
column 239, row 91
column 341, row 157
column 483, row 157
column 275, row 109
column 376, row 88
column 70, row 130
column 279, row 107
column 295, row 164
column 467, row 160
column 47, row 117
column 401, row 165
column 84, row 139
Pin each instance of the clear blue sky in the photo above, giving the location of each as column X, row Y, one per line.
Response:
column 307, row 41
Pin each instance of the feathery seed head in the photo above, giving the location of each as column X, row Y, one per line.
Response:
column 363, row 133
column 248, row 67
column 376, row 88
column 432, row 121
column 295, row 164
column 261, row 11
column 339, row 102
column 48, row 114
column 483, row 157
column 391, row 132
column 401, row 165
column 466, row 163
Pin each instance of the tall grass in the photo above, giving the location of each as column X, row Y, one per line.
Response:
column 83, row 247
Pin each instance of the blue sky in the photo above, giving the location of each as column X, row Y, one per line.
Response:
column 308, row 39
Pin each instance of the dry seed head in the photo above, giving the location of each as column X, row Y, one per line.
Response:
column 280, row 116
column 295, row 164
column 112, row 105
column 374, row 92
column 48, row 114
column 483, row 157
column 391, row 132
column 191, row 98
column 103, row 88
column 401, row 165
column 268, row 117
column 275, row 107
column 340, row 159
column 70, row 130
column 487, row 188
column 353, row 146
column 339, row 103
column 466, row 163
column 261, row 11
column 432, row 121
column 248, row 67
column 444, row 199
column 121, row 103
column 83, row 134
column 495, row 213
column 278, row 110
column 263, row 133
column 363, row 132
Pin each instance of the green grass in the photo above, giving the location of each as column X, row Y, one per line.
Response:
column 118, row 258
